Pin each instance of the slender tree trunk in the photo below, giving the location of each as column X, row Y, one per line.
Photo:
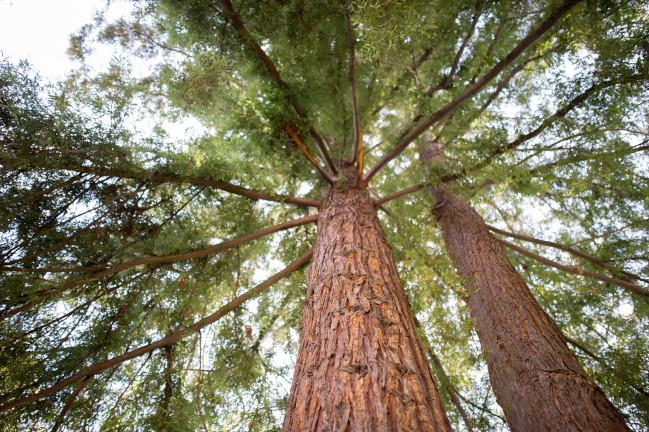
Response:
column 360, row 365
column 536, row 379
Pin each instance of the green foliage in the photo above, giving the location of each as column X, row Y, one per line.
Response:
column 94, row 173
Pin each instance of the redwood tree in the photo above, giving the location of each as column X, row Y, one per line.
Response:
column 537, row 380
column 157, row 213
column 360, row 365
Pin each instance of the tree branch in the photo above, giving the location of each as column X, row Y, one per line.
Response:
column 401, row 193
column 470, row 91
column 576, row 269
column 446, row 82
column 100, row 367
column 298, row 141
column 324, row 150
column 165, row 259
column 356, row 137
column 601, row 361
column 234, row 18
column 269, row 324
column 444, row 378
column 559, row 114
column 84, row 382
column 624, row 275
column 199, row 181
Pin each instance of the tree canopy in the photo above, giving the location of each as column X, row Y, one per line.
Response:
column 150, row 278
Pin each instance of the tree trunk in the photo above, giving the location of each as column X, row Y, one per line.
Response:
column 360, row 365
column 537, row 380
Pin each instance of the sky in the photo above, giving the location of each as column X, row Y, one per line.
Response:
column 39, row 30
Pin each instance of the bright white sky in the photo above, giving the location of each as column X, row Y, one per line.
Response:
column 39, row 30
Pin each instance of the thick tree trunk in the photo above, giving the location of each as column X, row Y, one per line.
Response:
column 360, row 365
column 536, row 379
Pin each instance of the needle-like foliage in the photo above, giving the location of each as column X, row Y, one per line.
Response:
column 127, row 248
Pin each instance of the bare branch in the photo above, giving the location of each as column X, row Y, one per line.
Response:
column 100, row 367
column 576, row 269
column 471, row 90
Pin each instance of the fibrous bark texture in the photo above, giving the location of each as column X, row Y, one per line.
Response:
column 536, row 379
column 360, row 365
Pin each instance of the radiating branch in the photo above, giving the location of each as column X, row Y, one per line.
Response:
column 356, row 119
column 234, row 18
column 199, row 181
column 84, row 382
column 577, row 270
column 100, row 367
column 401, row 193
column 164, row 259
column 624, row 275
column 414, row 132
column 298, row 141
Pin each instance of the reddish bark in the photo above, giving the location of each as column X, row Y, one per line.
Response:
column 536, row 379
column 360, row 365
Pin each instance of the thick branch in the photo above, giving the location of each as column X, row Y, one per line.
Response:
column 165, row 259
column 356, row 139
column 577, row 270
column 625, row 275
column 402, row 192
column 100, row 367
column 471, row 90
column 234, row 18
column 70, row 401
column 200, row 181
